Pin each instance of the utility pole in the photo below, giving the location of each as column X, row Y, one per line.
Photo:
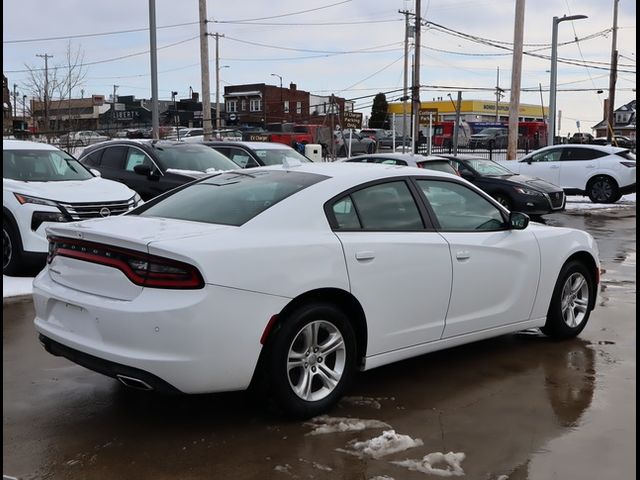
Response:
column 115, row 88
column 153, row 53
column 217, row 37
column 613, row 72
column 204, row 69
column 516, row 77
column 456, row 126
column 499, row 94
column 415, row 89
column 406, row 14
column 15, row 99
column 333, row 127
column 46, row 88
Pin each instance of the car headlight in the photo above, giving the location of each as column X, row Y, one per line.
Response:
column 38, row 201
column 526, row 191
column 39, row 217
column 137, row 200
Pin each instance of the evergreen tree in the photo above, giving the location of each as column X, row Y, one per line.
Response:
column 379, row 114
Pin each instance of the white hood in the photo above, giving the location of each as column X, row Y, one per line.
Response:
column 73, row 191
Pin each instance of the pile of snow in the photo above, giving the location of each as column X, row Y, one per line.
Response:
column 16, row 286
column 577, row 202
column 386, row 444
column 326, row 424
column 437, row 463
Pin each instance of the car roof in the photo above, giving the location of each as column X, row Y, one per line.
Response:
column 605, row 148
column 26, row 145
column 251, row 145
column 416, row 157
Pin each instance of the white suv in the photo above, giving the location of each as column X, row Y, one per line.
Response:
column 604, row 173
column 42, row 184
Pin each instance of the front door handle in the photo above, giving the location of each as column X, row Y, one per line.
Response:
column 365, row 255
column 463, row 255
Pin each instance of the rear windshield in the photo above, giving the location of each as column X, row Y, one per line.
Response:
column 627, row 154
column 192, row 157
column 441, row 166
column 42, row 166
column 230, row 198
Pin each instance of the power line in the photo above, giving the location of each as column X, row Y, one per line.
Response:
column 283, row 14
column 309, row 24
column 291, row 49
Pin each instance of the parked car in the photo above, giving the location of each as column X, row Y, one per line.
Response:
column 359, row 143
column 617, row 141
column 493, row 137
column 292, row 274
column 42, row 185
column 387, row 142
column 579, row 137
column 375, row 133
column 191, row 132
column 513, row 191
column 406, row 159
column 256, row 154
column 604, row 173
column 82, row 138
column 153, row 167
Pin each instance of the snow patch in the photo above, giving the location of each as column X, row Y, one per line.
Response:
column 16, row 286
column 283, row 468
column 383, row 477
column 437, row 463
column 577, row 202
column 364, row 401
column 386, row 444
column 326, row 424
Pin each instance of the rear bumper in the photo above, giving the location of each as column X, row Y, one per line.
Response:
column 197, row 341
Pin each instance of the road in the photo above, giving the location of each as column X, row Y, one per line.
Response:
column 517, row 407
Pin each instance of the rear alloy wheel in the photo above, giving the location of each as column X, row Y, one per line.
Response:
column 311, row 360
column 603, row 189
column 11, row 250
column 569, row 309
column 503, row 200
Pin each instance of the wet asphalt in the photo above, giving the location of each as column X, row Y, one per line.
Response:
column 518, row 406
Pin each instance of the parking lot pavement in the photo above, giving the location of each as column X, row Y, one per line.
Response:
column 515, row 407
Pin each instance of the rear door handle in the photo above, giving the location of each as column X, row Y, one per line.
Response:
column 463, row 255
column 365, row 255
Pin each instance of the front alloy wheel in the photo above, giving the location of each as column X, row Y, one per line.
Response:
column 603, row 190
column 575, row 300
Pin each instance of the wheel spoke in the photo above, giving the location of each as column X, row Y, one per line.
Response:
column 581, row 304
column 571, row 321
column 330, row 378
column 296, row 360
column 577, row 284
column 315, row 327
column 307, row 335
column 303, row 388
column 333, row 343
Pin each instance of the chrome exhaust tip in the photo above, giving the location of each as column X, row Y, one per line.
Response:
column 132, row 382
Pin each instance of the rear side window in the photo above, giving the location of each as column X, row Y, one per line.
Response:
column 230, row 198
column 387, row 206
column 93, row 159
column 575, row 154
column 113, row 157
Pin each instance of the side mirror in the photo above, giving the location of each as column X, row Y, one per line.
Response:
column 518, row 220
column 467, row 174
column 96, row 173
column 143, row 170
column 528, row 161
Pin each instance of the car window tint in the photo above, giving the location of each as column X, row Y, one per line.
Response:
column 136, row 157
column 113, row 157
column 242, row 158
column 575, row 154
column 93, row 159
column 387, row 206
column 345, row 214
column 230, row 198
column 392, row 161
column 440, row 166
column 42, row 166
column 547, row 156
column 458, row 208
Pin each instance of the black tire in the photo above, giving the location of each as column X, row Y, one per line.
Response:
column 503, row 200
column 557, row 325
column 289, row 341
column 11, row 250
column 603, row 189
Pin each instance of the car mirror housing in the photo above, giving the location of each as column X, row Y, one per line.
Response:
column 518, row 220
column 96, row 173
column 142, row 170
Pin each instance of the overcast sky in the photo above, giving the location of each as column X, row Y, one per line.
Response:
column 307, row 43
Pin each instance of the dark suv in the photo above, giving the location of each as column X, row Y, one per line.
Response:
column 492, row 137
column 153, row 167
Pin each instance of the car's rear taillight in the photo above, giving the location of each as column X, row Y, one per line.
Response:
column 629, row 164
column 140, row 268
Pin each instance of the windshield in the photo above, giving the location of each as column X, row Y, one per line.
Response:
column 192, row 157
column 230, row 198
column 275, row 156
column 42, row 166
column 487, row 167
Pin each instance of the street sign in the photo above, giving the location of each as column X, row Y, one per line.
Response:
column 424, row 115
column 352, row 120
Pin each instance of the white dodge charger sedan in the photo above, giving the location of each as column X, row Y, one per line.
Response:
column 294, row 277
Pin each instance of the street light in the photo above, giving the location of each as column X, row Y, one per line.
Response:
column 554, row 74
column 281, row 101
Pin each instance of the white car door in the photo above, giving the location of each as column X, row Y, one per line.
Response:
column 544, row 164
column 495, row 269
column 578, row 165
column 399, row 271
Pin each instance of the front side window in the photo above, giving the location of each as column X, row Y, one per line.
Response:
column 460, row 209
column 552, row 155
column 231, row 198
column 387, row 206
column 42, row 166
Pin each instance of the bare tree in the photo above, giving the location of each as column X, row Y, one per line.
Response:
column 56, row 84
